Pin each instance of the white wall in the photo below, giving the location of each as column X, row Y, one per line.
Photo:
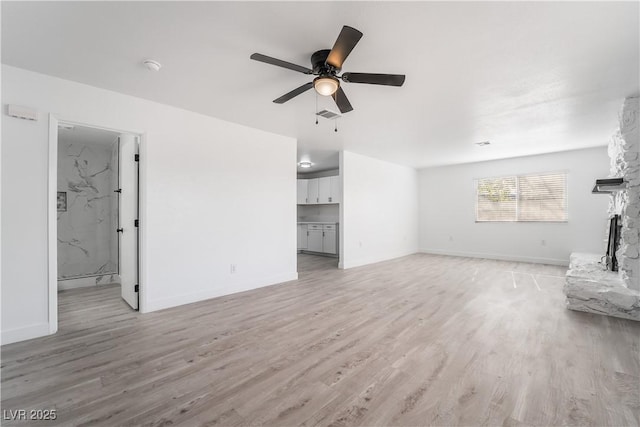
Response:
column 213, row 193
column 379, row 213
column 447, row 210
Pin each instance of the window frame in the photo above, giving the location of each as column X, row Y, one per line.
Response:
column 517, row 177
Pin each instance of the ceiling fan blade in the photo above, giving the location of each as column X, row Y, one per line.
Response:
column 374, row 79
column 287, row 96
column 346, row 41
column 341, row 101
column 280, row 63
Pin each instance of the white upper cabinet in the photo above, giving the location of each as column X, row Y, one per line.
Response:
column 313, row 198
column 302, row 191
column 324, row 190
column 335, row 194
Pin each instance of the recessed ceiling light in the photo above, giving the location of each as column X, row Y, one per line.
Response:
column 152, row 65
column 305, row 164
column 482, row 143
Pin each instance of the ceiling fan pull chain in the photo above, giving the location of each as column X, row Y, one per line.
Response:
column 316, row 107
column 336, row 125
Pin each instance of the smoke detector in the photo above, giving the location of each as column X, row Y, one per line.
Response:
column 328, row 114
column 152, row 65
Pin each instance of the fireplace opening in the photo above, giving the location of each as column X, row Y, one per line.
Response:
column 613, row 242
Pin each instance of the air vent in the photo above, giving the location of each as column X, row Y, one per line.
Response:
column 24, row 113
column 328, row 114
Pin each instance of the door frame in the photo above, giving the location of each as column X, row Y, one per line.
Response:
column 52, row 221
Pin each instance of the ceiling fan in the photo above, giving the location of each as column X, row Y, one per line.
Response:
column 327, row 64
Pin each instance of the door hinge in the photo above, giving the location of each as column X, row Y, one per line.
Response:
column 136, row 223
column 136, row 157
column 136, row 288
column 119, row 190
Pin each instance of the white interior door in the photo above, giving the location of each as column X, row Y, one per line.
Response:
column 128, row 217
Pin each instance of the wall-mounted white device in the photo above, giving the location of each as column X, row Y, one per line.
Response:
column 19, row 112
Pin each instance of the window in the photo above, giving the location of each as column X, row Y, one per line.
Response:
column 522, row 198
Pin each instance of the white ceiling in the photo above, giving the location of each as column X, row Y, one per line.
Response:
column 530, row 77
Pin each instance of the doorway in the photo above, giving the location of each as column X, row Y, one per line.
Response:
column 319, row 197
column 95, row 228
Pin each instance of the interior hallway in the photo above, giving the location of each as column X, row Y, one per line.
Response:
column 422, row 339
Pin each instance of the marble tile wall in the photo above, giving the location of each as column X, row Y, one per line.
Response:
column 87, row 242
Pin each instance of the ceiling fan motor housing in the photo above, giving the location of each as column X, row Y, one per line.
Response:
column 319, row 63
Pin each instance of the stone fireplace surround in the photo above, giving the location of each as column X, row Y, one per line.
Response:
column 588, row 286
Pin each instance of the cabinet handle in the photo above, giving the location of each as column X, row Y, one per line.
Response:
column 307, row 233
column 329, row 198
column 323, row 234
column 317, row 200
column 306, row 200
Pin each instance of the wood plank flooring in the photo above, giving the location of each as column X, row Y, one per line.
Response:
column 421, row 340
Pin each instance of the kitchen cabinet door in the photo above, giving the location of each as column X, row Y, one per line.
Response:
column 324, row 190
column 314, row 242
column 335, row 190
column 312, row 196
column 329, row 242
column 302, row 191
column 302, row 236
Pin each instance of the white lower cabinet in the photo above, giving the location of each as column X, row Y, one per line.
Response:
column 329, row 241
column 314, row 243
column 320, row 238
column 302, row 236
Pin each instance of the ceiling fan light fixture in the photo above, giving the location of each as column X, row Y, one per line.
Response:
column 326, row 85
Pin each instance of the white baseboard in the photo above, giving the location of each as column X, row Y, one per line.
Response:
column 177, row 300
column 372, row 260
column 25, row 333
column 500, row 257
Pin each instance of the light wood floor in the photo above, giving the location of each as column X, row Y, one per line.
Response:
column 422, row 340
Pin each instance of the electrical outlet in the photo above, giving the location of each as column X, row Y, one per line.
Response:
column 233, row 269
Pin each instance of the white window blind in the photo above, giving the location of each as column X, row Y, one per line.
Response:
column 540, row 197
